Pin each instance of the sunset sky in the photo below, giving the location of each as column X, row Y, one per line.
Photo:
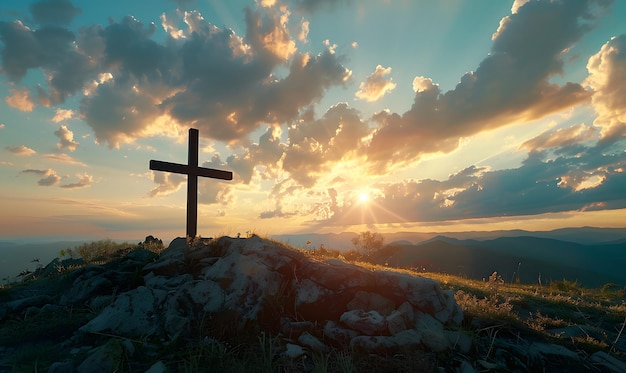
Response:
column 333, row 115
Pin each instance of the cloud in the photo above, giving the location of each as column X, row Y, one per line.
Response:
column 304, row 31
column 21, row 150
column 512, row 84
column 265, row 155
column 268, row 34
column 84, row 181
column 561, row 137
column 68, row 63
column 66, row 139
column 375, row 85
column 64, row 158
column 280, row 192
column 167, row 183
column 212, row 191
column 20, row 100
column 54, row 12
column 25, row 48
column 315, row 145
column 61, row 115
column 210, row 79
column 607, row 74
column 48, row 177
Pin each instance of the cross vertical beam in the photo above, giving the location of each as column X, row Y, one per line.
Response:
column 192, row 171
column 192, row 184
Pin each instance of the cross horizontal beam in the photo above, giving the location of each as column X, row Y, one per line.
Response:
column 186, row 170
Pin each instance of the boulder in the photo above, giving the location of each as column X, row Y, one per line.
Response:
column 401, row 318
column 19, row 305
column 105, row 359
column 368, row 301
column 366, row 323
column 308, row 340
column 133, row 314
column 607, row 362
column 378, row 343
column 338, row 334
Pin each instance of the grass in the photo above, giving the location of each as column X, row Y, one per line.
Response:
column 494, row 310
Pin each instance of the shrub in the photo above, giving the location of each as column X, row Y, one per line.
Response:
column 565, row 286
column 368, row 242
column 101, row 250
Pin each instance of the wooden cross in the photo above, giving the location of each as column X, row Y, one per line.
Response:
column 192, row 171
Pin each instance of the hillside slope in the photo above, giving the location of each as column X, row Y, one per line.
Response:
column 531, row 259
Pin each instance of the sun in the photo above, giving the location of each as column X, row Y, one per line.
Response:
column 364, row 197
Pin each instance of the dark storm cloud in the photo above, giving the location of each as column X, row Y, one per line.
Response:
column 512, row 84
column 54, row 12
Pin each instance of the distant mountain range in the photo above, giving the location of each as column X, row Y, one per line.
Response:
column 342, row 241
column 590, row 256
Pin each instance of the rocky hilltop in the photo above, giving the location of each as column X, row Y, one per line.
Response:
column 202, row 305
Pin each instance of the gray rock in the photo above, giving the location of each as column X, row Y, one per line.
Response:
column 308, row 340
column 171, row 262
column 158, row 367
column 293, row 329
column 166, row 283
column 207, row 293
column 545, row 351
column 61, row 367
column 133, row 314
column 91, row 283
column 408, row 338
column 608, row 362
column 371, row 302
column 373, row 343
column 105, row 359
column 432, row 333
column 401, row 319
column 338, row 334
column 294, row 351
column 367, row 323
column 465, row 367
column 19, row 305
column 423, row 293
